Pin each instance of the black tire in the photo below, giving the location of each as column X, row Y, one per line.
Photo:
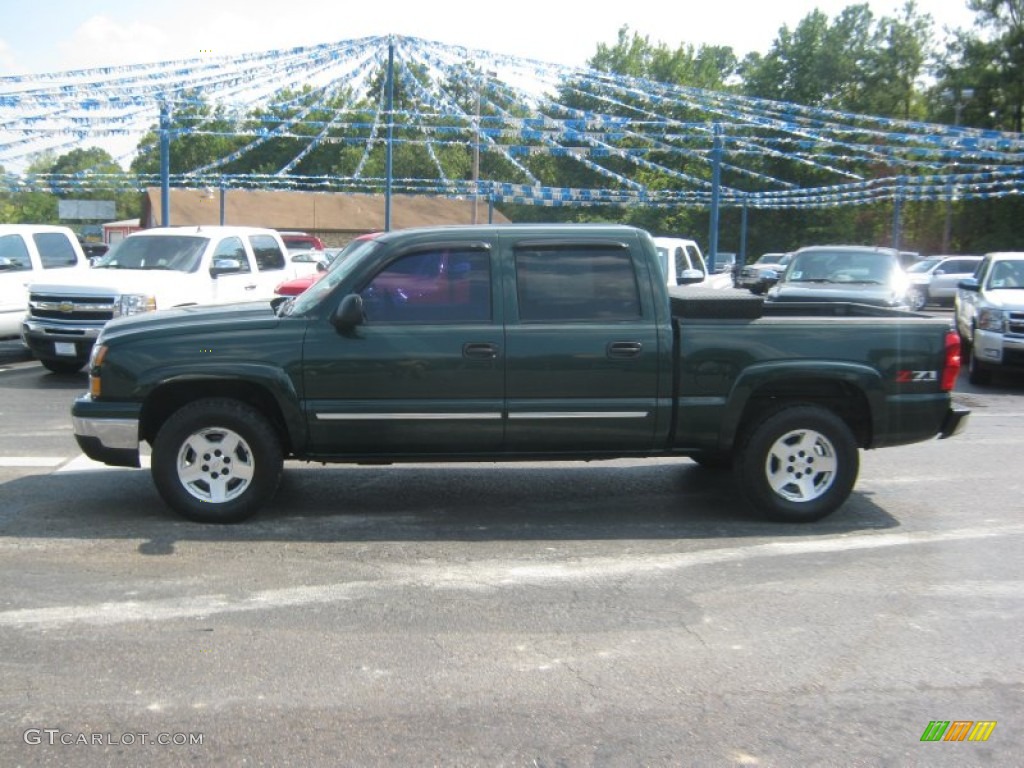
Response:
column 917, row 298
column 977, row 372
column 715, row 462
column 798, row 464
column 243, row 456
column 63, row 367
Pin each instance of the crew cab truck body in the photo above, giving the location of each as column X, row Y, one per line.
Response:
column 148, row 270
column 31, row 253
column 522, row 342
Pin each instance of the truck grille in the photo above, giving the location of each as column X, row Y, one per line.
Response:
column 71, row 308
column 1016, row 323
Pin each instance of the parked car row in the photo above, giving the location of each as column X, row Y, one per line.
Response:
column 986, row 292
column 931, row 280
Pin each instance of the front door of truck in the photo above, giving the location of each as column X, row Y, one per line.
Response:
column 424, row 374
column 583, row 353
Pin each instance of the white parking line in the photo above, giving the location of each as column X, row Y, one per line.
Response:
column 488, row 575
column 32, row 461
column 83, row 463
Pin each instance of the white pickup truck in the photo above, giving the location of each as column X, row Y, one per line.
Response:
column 152, row 269
column 681, row 261
column 29, row 253
column 990, row 316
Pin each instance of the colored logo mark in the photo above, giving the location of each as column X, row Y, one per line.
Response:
column 958, row 730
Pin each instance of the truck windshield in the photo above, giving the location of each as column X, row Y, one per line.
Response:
column 178, row 253
column 841, row 267
column 337, row 272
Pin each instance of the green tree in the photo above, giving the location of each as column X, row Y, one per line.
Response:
column 200, row 135
column 705, row 66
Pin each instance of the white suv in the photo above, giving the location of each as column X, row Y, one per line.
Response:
column 151, row 269
column 28, row 253
column 990, row 316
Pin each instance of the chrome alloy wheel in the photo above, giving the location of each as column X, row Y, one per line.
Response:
column 801, row 465
column 215, row 465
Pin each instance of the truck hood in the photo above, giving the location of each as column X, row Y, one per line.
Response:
column 107, row 282
column 877, row 295
column 185, row 321
column 1005, row 298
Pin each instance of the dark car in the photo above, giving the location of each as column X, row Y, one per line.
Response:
column 849, row 273
column 762, row 274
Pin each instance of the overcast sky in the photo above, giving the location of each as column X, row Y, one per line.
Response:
column 54, row 35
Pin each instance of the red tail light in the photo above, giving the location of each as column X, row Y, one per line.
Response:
column 951, row 363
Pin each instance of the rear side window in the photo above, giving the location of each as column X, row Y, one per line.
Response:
column 576, row 283
column 14, row 255
column 959, row 266
column 55, row 250
column 268, row 253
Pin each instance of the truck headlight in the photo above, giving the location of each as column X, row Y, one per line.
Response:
column 992, row 320
column 134, row 304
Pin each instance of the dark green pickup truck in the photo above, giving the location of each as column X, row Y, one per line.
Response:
column 522, row 342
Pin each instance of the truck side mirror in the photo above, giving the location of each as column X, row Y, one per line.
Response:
column 689, row 276
column 225, row 266
column 969, row 284
column 349, row 313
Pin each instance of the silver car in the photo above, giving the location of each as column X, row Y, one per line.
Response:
column 934, row 280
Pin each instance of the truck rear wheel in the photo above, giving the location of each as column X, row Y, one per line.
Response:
column 798, row 464
column 217, row 461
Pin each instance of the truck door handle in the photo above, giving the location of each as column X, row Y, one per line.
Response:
column 625, row 348
column 480, row 350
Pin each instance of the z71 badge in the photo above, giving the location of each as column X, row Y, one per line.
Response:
column 909, row 377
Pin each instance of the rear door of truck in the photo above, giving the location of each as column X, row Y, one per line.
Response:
column 583, row 359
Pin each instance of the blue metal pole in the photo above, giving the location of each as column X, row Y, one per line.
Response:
column 742, row 258
column 165, row 165
column 897, row 210
column 716, row 195
column 223, row 193
column 391, row 130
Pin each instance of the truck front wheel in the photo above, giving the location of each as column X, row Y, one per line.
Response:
column 63, row 367
column 216, row 461
column 798, row 464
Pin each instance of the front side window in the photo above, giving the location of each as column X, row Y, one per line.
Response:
column 434, row 286
column 55, row 250
column 232, row 248
column 14, row 255
column 576, row 283
column 268, row 253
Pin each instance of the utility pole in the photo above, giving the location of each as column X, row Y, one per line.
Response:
column 961, row 96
